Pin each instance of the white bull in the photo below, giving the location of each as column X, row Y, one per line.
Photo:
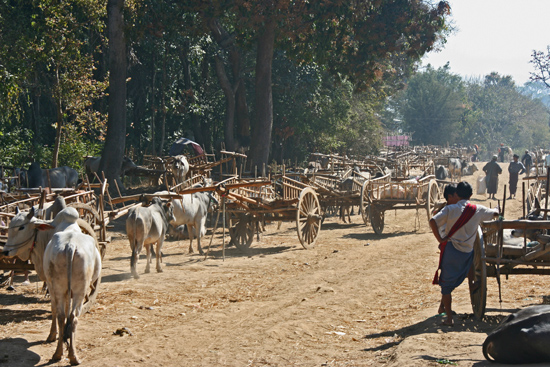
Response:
column 71, row 263
column 191, row 210
column 180, row 168
column 66, row 259
column 147, row 226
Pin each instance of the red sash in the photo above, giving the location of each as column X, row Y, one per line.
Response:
column 466, row 215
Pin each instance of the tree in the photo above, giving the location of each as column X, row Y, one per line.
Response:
column 113, row 152
column 541, row 62
column 356, row 39
column 432, row 106
column 503, row 115
column 48, row 53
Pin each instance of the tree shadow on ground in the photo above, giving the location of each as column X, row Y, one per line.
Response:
column 463, row 322
column 8, row 316
column 374, row 236
column 15, row 352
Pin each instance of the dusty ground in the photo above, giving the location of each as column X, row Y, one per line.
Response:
column 356, row 299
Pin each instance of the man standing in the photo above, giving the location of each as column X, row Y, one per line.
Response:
column 515, row 169
column 527, row 161
column 461, row 221
column 492, row 170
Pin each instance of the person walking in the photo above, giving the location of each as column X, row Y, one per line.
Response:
column 527, row 161
column 461, row 221
column 515, row 169
column 492, row 170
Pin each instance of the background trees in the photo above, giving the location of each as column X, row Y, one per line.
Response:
column 283, row 78
column 441, row 108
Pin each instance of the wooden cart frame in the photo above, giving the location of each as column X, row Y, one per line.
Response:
column 252, row 202
column 492, row 258
column 383, row 193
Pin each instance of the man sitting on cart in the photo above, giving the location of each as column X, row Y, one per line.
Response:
column 461, row 221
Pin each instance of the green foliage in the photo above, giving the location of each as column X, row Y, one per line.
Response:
column 433, row 105
column 501, row 114
column 440, row 108
column 14, row 146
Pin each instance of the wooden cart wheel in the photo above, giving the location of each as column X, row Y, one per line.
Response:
column 242, row 234
column 365, row 203
column 376, row 218
column 90, row 298
column 478, row 296
column 433, row 198
column 308, row 217
column 88, row 213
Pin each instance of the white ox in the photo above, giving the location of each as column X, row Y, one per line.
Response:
column 180, row 168
column 191, row 210
column 147, row 226
column 70, row 264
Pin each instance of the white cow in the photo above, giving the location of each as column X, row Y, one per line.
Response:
column 66, row 259
column 71, row 263
column 191, row 210
column 180, row 168
column 147, row 226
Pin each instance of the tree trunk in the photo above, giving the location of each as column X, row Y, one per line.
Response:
column 199, row 136
column 241, row 117
column 261, row 132
column 229, row 123
column 113, row 151
column 58, row 132
column 153, row 108
column 163, row 103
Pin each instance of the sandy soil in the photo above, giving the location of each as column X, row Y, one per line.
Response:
column 355, row 299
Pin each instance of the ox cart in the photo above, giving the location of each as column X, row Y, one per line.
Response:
column 89, row 206
column 249, row 203
column 384, row 193
column 253, row 203
column 494, row 257
column 338, row 192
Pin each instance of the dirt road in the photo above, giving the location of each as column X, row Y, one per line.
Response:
column 355, row 299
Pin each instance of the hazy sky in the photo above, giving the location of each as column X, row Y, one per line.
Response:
column 495, row 35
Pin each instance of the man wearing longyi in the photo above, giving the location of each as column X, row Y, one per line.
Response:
column 461, row 222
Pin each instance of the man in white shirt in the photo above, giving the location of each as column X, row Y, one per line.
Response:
column 458, row 254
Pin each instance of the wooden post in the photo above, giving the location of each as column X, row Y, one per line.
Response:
column 523, row 197
column 504, row 201
column 223, row 233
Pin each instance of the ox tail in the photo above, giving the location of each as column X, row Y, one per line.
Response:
column 71, row 250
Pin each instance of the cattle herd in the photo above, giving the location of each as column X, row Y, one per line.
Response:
column 65, row 255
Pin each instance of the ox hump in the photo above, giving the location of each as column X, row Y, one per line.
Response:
column 65, row 219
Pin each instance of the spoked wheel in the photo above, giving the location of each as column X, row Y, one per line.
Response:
column 89, row 214
column 242, row 234
column 308, row 217
column 432, row 199
column 478, row 295
column 365, row 203
column 376, row 218
column 91, row 296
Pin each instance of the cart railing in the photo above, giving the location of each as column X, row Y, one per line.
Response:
column 292, row 188
column 497, row 252
column 383, row 188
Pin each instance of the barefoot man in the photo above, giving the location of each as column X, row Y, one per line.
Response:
column 461, row 221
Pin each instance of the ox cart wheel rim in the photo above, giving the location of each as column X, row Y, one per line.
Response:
column 242, row 234
column 89, row 214
column 308, row 217
column 365, row 203
column 478, row 295
column 376, row 219
column 432, row 198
